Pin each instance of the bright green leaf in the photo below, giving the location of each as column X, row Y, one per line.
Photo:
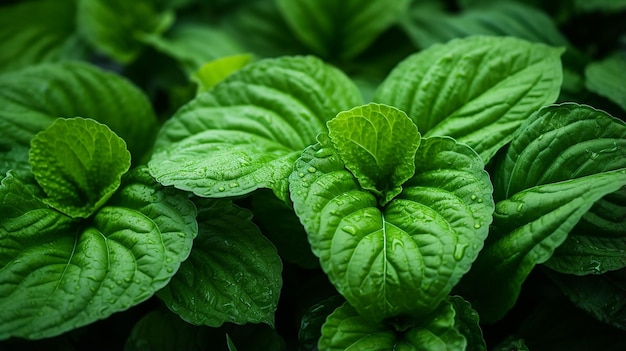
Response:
column 477, row 90
column 419, row 244
column 39, row 31
column 606, row 78
column 79, row 163
column 340, row 29
column 346, row 330
column 217, row 70
column 233, row 274
column 248, row 130
column 114, row 27
column 32, row 98
column 58, row 274
column 377, row 143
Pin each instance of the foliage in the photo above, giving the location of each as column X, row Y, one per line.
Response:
column 299, row 175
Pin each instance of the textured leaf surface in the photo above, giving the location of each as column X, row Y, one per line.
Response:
column 477, row 90
column 346, row 330
column 247, row 132
column 37, row 31
column 419, row 244
column 79, row 163
column 563, row 160
column 377, row 143
column 233, row 274
column 32, row 98
column 58, row 274
column 340, row 29
column 115, row 26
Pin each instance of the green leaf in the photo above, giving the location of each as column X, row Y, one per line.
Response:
column 605, row 78
column 610, row 6
column 427, row 26
column 246, row 133
column 114, row 27
column 79, row 163
column 14, row 157
column 346, row 330
column 230, row 344
column 217, row 70
column 466, row 321
column 32, row 98
column 419, row 244
column 233, row 274
column 340, row 29
column 603, row 296
column 477, row 90
column 313, row 319
column 38, row 31
column 58, row 274
column 187, row 43
column 377, row 143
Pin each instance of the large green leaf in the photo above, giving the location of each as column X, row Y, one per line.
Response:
column 32, row 98
column 405, row 257
column 377, row 143
column 38, row 31
column 79, row 163
column 340, row 29
column 606, row 78
column 477, row 90
column 233, row 274
column 346, row 330
column 563, row 160
column 248, row 130
column 58, row 274
column 114, row 27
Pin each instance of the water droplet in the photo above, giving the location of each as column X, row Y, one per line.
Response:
column 169, row 270
column 323, row 152
column 300, row 174
column 234, row 184
column 181, row 234
column 312, row 169
column 168, row 260
column 298, row 192
column 594, row 155
column 128, row 280
column 540, row 137
column 520, row 207
column 350, row 229
column 221, row 188
column 477, row 226
column 479, row 200
column 473, row 197
column 395, row 243
column 459, row 251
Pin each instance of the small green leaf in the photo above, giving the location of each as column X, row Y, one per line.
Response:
column 79, row 163
column 217, row 70
column 467, row 322
column 606, row 77
column 233, row 274
column 346, row 330
column 419, row 244
column 477, row 90
column 114, row 27
column 313, row 320
column 32, row 98
column 59, row 274
column 340, row 29
column 246, row 132
column 377, row 143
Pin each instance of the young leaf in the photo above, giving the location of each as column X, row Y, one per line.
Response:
column 38, row 31
column 217, row 70
column 340, row 29
column 605, row 78
column 79, row 163
column 113, row 27
column 419, row 244
column 233, row 274
column 59, row 274
column 32, row 98
column 246, row 133
column 377, row 143
column 477, row 90
column 345, row 329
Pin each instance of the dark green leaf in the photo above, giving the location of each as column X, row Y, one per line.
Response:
column 606, row 78
column 233, row 274
column 466, row 321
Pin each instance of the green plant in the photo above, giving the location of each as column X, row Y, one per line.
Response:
column 410, row 196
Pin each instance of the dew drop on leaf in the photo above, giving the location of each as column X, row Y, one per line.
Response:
column 477, row 226
column 312, row 170
column 323, row 152
column 350, row 229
